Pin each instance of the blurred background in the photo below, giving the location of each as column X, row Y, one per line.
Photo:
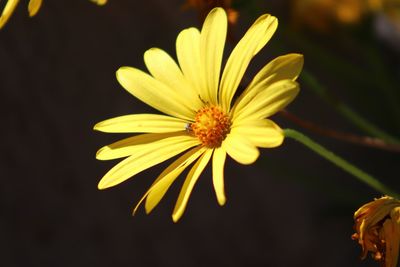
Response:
column 290, row 208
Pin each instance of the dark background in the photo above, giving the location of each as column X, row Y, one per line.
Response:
column 57, row 79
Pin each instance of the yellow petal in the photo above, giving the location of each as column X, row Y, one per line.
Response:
column 281, row 68
column 134, row 144
column 33, row 7
column 188, row 53
column 218, row 174
column 269, row 101
column 7, row 11
column 141, row 123
column 160, row 186
column 261, row 133
column 99, row 2
column 154, row 93
column 164, row 69
column 254, row 39
column 189, row 183
column 148, row 156
column 240, row 149
column 212, row 42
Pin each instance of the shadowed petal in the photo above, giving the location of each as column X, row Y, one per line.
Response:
column 269, row 101
column 134, row 144
column 160, row 186
column 33, row 7
column 149, row 155
column 281, row 68
column 189, row 183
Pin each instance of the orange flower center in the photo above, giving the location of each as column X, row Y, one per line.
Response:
column 211, row 126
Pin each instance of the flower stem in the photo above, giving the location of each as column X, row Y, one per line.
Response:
column 367, row 141
column 340, row 162
column 345, row 110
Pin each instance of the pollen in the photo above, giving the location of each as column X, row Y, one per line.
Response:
column 211, row 126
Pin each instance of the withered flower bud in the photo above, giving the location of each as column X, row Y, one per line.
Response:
column 377, row 226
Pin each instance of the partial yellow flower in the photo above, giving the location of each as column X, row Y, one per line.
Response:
column 99, row 2
column 205, row 6
column 322, row 15
column 33, row 8
column 200, row 119
column 377, row 226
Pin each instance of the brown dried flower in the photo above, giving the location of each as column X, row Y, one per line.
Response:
column 377, row 226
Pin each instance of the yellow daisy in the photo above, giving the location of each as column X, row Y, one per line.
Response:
column 33, row 8
column 200, row 118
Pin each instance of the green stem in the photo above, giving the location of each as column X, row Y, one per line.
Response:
column 340, row 162
column 346, row 111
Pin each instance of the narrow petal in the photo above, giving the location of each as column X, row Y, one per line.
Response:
column 149, row 155
column 261, row 133
column 218, row 174
column 188, row 53
column 7, row 11
column 141, row 123
column 164, row 69
column 134, row 144
column 161, row 185
column 269, row 101
column 240, row 149
column 33, row 7
column 189, row 183
column 254, row 39
column 281, row 68
column 154, row 93
column 212, row 42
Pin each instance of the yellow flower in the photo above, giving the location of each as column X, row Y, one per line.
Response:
column 33, row 8
column 204, row 6
column 377, row 226
column 322, row 15
column 200, row 118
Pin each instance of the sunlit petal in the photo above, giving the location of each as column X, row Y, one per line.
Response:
column 269, row 101
column 154, row 93
column 254, row 39
column 141, row 123
column 188, row 53
column 240, row 149
column 212, row 42
column 164, row 69
column 7, row 11
column 218, row 163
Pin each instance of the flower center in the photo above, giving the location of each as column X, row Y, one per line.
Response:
column 211, row 126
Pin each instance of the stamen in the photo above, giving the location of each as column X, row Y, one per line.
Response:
column 211, row 126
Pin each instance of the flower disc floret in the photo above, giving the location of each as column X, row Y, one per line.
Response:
column 211, row 126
